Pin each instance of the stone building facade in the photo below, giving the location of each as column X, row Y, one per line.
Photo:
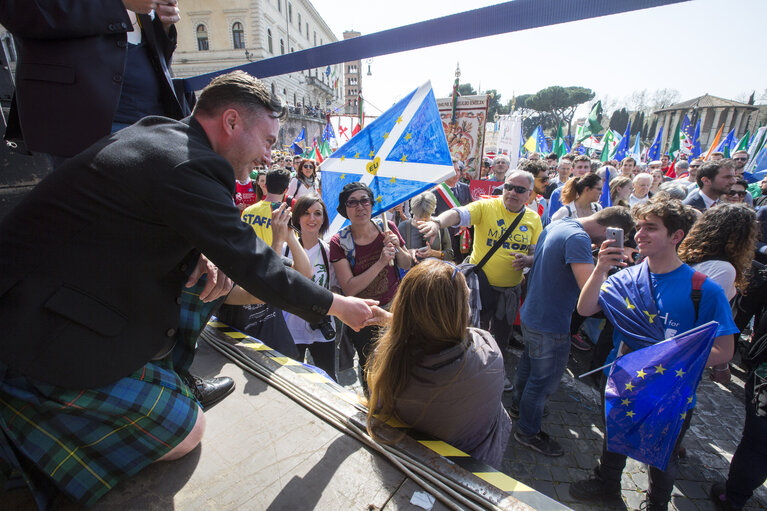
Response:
column 713, row 113
column 218, row 34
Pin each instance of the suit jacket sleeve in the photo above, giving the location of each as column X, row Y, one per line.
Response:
column 60, row 19
column 193, row 202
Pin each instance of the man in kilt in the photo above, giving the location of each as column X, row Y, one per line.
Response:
column 104, row 290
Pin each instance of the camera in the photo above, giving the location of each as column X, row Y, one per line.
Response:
column 325, row 326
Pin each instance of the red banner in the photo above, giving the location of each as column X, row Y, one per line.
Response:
column 479, row 188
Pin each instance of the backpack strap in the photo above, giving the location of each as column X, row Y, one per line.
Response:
column 696, row 295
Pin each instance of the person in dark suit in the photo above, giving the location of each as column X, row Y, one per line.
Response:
column 86, row 64
column 96, row 317
column 462, row 192
column 714, row 178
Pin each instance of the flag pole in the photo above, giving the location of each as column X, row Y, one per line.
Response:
column 386, row 229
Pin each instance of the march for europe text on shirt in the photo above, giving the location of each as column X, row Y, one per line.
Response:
column 671, row 292
column 491, row 219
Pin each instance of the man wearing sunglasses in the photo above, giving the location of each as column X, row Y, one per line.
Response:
column 490, row 218
column 739, row 160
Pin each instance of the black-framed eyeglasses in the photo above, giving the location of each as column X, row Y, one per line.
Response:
column 739, row 193
column 741, row 158
column 519, row 189
column 353, row 203
column 309, row 167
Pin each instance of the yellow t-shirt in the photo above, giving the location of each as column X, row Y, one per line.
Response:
column 490, row 219
column 259, row 217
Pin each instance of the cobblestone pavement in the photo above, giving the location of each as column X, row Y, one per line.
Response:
column 575, row 422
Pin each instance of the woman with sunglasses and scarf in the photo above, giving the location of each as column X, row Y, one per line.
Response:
column 305, row 181
column 433, row 372
column 362, row 255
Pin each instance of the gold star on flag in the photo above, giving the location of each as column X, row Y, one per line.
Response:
column 680, row 373
column 379, row 198
column 371, row 153
column 660, row 369
column 628, row 304
column 343, row 176
column 641, row 374
column 650, row 317
column 408, row 136
column 683, row 415
column 399, row 120
column 625, row 402
column 603, row 287
column 629, row 387
column 689, row 400
column 403, row 159
column 386, row 135
column 357, row 155
column 343, row 158
column 392, row 180
column 630, row 414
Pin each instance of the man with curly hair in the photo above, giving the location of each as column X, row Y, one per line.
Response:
column 661, row 225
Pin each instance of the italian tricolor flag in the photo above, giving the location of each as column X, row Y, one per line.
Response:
column 447, row 195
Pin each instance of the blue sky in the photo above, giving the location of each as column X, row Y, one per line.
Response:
column 697, row 47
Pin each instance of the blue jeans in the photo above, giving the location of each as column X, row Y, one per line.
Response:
column 537, row 376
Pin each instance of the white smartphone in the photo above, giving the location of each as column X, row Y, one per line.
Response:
column 615, row 233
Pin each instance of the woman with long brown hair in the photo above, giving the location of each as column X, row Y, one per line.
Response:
column 721, row 245
column 305, row 180
column 433, row 372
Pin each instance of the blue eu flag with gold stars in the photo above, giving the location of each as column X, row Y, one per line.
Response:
column 649, row 392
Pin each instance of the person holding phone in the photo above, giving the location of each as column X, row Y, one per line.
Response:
column 562, row 264
column 259, row 215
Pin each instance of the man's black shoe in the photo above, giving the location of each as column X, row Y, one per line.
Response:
column 595, row 488
column 514, row 411
column 540, row 442
column 208, row 392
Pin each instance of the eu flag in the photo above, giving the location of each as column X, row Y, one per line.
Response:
column 654, row 152
column 649, row 392
column 300, row 138
column 605, row 199
column 695, row 151
column 622, row 149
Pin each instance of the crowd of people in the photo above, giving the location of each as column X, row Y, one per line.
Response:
column 148, row 225
column 539, row 291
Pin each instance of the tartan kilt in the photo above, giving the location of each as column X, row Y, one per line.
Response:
column 87, row 441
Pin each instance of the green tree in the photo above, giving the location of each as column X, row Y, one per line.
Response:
column 465, row 89
column 619, row 120
column 495, row 106
column 637, row 123
column 559, row 102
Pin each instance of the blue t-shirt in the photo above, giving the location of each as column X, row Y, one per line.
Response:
column 555, row 201
column 672, row 295
column 552, row 291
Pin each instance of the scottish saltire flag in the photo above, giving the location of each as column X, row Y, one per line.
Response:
column 605, row 199
column 400, row 154
column 654, row 152
column 695, row 149
column 300, row 138
column 622, row 149
column 649, row 392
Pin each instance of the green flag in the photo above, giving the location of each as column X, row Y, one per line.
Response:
column 673, row 149
column 558, row 146
column 606, row 146
column 592, row 126
column 743, row 142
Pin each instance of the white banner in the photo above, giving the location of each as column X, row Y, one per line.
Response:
column 510, row 137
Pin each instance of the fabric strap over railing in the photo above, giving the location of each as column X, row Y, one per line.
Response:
column 483, row 22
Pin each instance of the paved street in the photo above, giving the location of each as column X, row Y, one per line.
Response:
column 575, row 421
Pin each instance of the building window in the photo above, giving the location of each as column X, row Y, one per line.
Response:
column 307, row 30
column 269, row 40
column 292, row 49
column 321, row 42
column 299, row 22
column 274, row 91
column 315, row 38
column 282, row 47
column 279, row 5
column 238, row 36
column 290, row 13
column 202, row 37
column 294, row 99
